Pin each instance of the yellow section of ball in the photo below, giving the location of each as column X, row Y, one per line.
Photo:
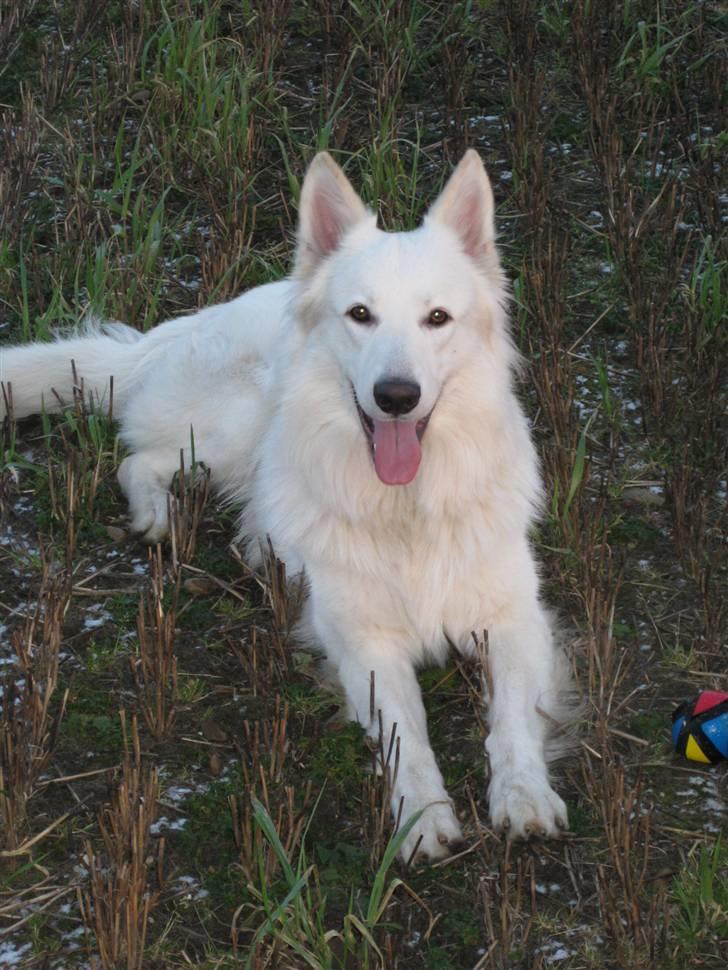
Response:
column 692, row 751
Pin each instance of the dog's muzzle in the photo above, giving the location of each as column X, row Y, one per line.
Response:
column 394, row 443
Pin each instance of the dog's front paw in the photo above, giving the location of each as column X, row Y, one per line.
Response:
column 523, row 805
column 148, row 500
column 434, row 835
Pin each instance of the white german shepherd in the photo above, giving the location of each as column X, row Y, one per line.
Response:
column 363, row 414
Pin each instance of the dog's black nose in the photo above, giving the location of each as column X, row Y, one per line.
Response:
column 395, row 396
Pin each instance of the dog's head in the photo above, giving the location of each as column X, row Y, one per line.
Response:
column 401, row 312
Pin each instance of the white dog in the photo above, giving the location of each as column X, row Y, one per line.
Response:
column 363, row 413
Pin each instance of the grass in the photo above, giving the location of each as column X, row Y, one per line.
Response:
column 702, row 898
column 152, row 162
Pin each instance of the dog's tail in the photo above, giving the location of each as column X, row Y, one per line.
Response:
column 99, row 362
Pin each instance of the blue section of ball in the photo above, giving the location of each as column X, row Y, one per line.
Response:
column 716, row 730
column 677, row 727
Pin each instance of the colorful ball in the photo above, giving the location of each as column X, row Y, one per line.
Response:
column 700, row 727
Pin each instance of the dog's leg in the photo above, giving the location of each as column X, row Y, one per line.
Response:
column 522, row 661
column 145, row 477
column 418, row 783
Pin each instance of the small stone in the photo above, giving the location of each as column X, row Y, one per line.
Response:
column 199, row 586
column 644, row 496
column 213, row 732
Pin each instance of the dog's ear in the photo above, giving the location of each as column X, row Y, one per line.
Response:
column 329, row 208
column 466, row 206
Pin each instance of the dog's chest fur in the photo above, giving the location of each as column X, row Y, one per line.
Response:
column 428, row 562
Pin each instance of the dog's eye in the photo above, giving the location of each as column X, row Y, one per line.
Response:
column 438, row 318
column 360, row 313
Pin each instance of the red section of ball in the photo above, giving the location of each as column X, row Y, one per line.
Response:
column 709, row 698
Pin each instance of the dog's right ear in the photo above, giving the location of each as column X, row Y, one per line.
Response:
column 329, row 208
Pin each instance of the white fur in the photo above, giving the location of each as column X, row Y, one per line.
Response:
column 395, row 572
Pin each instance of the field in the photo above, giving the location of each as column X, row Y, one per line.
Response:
column 176, row 786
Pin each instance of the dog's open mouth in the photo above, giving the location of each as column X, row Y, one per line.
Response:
column 395, row 445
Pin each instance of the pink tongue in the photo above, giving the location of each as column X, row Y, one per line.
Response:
column 397, row 451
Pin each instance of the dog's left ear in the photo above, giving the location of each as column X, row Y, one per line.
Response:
column 467, row 207
column 329, row 208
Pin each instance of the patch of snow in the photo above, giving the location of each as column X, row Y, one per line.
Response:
column 179, row 793
column 543, row 890
column 100, row 617
column 11, row 955
column 192, row 887
column 554, row 952
column 559, row 954
column 163, row 825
